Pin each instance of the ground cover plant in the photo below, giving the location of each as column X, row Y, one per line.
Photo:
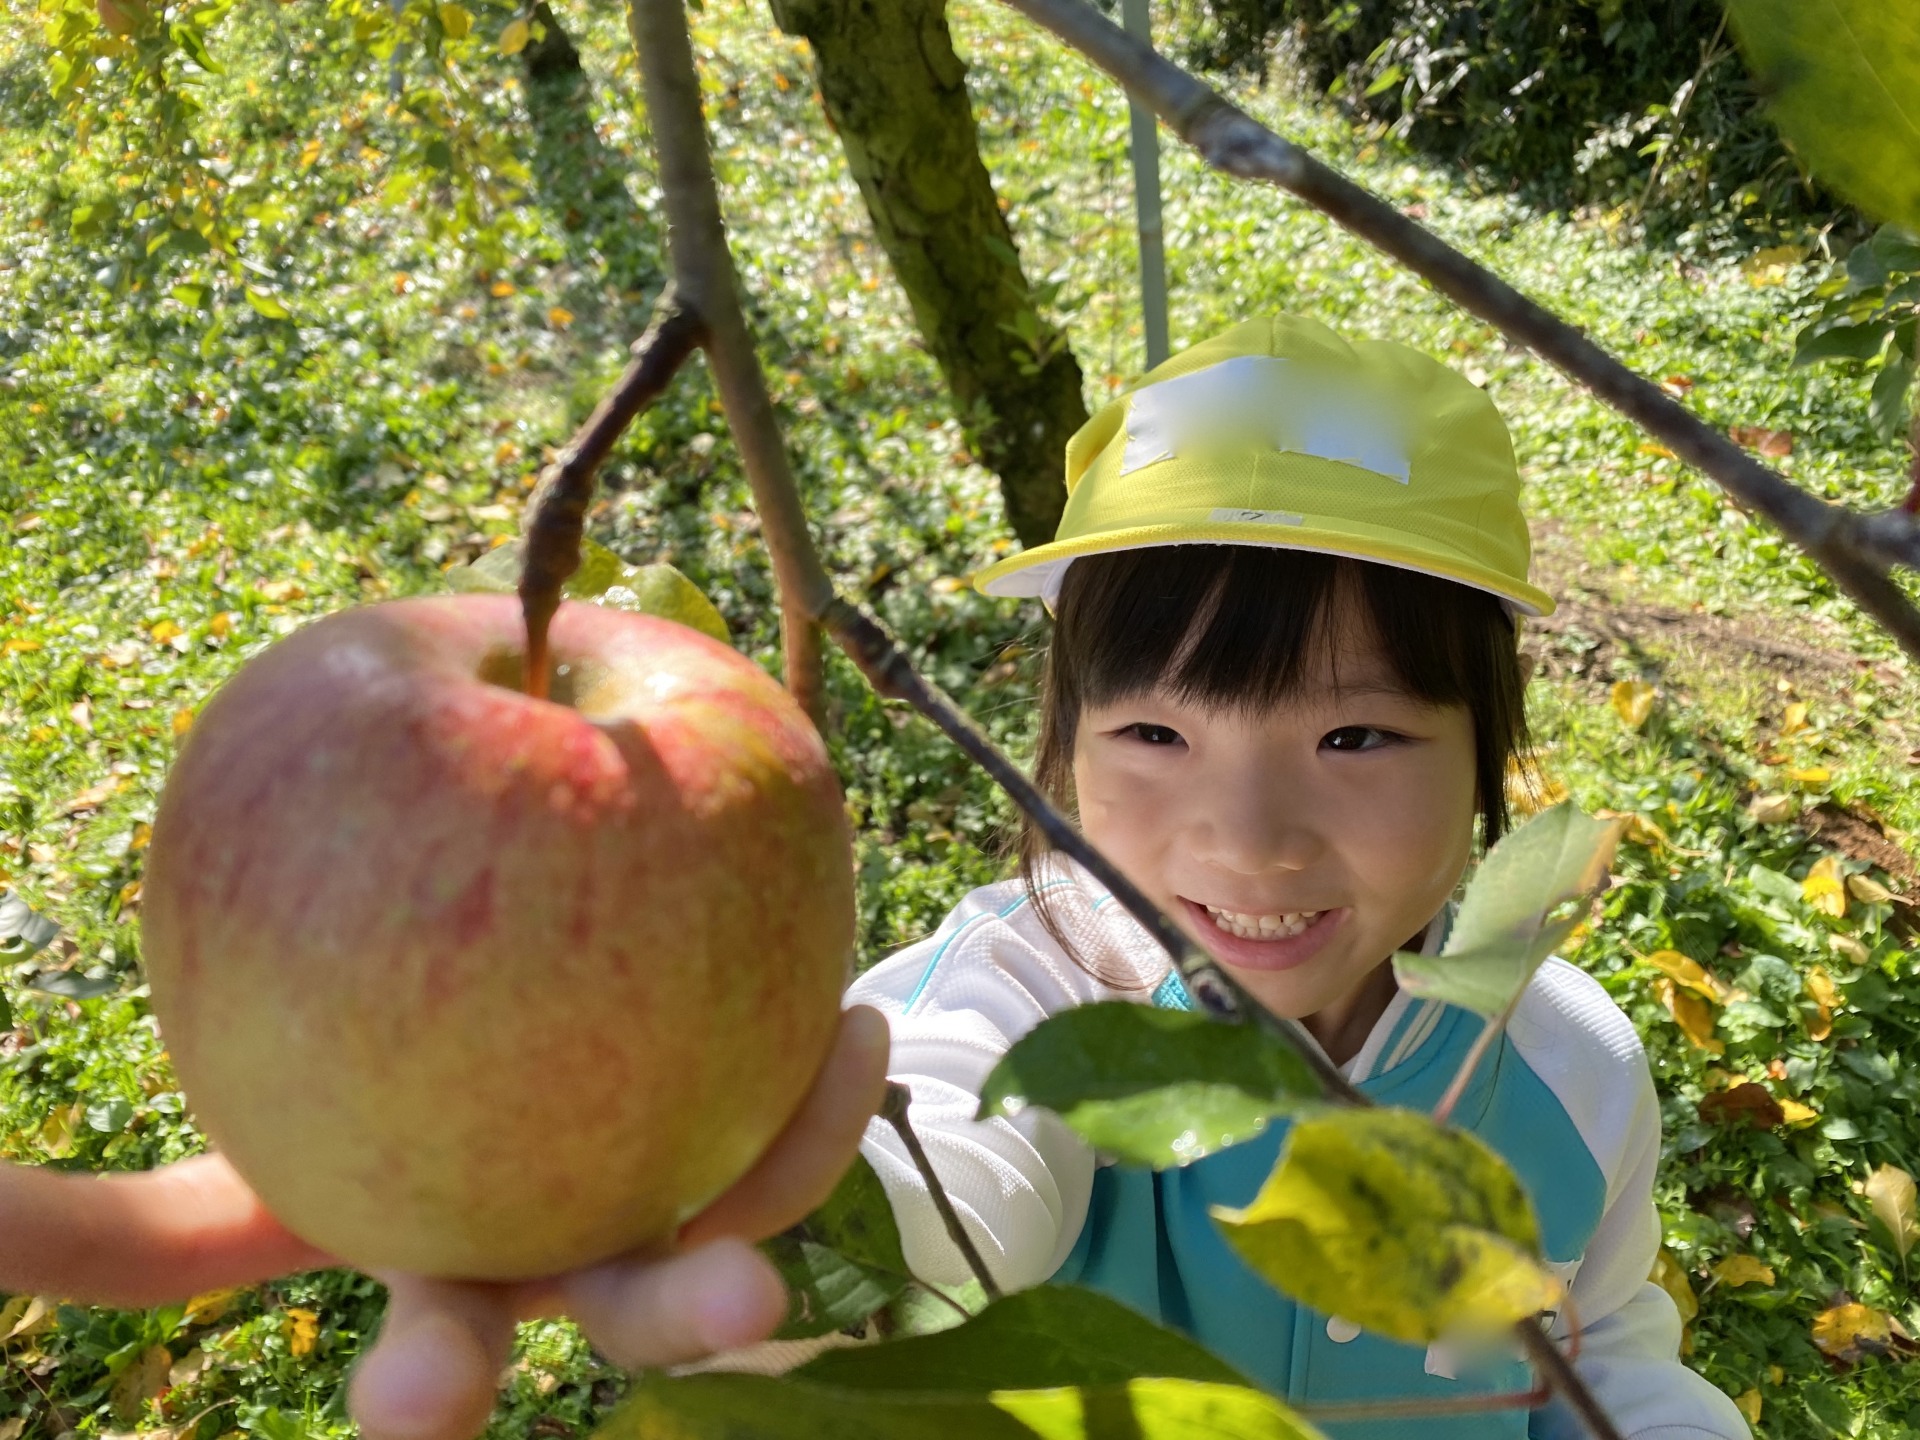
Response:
column 297, row 445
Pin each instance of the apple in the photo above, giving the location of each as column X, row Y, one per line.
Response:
column 478, row 986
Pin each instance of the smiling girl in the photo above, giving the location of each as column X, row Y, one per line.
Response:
column 1283, row 687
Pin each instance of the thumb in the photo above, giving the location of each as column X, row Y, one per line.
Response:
column 432, row 1373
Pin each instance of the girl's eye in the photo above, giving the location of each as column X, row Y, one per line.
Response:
column 1352, row 738
column 1153, row 734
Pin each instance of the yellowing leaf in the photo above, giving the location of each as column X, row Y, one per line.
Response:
column 1793, row 1114
column 1671, row 1276
column 559, row 317
column 20, row 646
column 211, row 1305
column 302, row 1328
column 309, row 154
column 1396, row 1224
column 1825, row 888
column 281, row 592
column 1690, row 974
column 1810, row 775
column 1748, row 1403
column 164, row 632
column 1795, row 720
column 1693, row 1015
column 221, row 625
column 1849, row 947
column 455, row 19
column 1632, row 701
column 1743, row 1270
column 140, row 1382
column 1890, row 1190
column 1849, row 1332
column 1826, row 995
column 501, row 289
column 1868, row 891
column 1773, row 809
column 182, row 723
column 514, row 38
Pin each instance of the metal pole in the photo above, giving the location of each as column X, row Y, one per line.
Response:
column 1146, row 199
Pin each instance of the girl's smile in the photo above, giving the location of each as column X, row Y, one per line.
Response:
column 1269, row 941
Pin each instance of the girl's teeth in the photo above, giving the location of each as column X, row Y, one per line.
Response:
column 1263, row 927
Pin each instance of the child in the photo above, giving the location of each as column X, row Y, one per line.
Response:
column 1283, row 682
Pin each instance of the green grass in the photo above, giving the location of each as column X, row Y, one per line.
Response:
column 181, row 485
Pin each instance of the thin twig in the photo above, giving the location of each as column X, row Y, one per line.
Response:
column 1565, row 1381
column 1463, row 1077
column 1232, row 141
column 558, row 511
column 894, row 1111
column 1340, row 1412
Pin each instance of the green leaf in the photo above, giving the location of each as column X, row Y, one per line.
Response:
column 72, row 985
column 662, row 590
column 826, row 1291
column 1503, row 932
column 267, row 303
column 6, row 1012
column 1394, row 1223
column 1038, row 1339
column 1899, row 252
column 1841, row 77
column 757, row 1407
column 21, row 930
column 844, row 1261
column 495, row 573
column 1154, row 1087
column 1839, row 342
column 1887, row 408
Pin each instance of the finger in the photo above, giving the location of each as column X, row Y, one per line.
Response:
column 665, row 1312
column 805, row 1161
column 433, row 1372
column 140, row 1240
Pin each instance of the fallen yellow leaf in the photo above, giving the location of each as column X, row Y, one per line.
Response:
column 1743, row 1270
column 559, row 317
column 1848, row 946
column 1810, row 775
column 1693, row 1015
column 1671, row 1276
column 1868, row 891
column 280, row 592
column 1748, row 1402
column 1890, row 1190
column 20, row 646
column 182, row 723
column 1632, row 701
column 302, row 1329
column 221, row 625
column 1825, row 888
column 1690, row 974
column 1795, row 719
column 1849, row 1332
column 501, row 289
column 1826, row 995
column 309, row 153
column 1793, row 1114
column 164, row 632
column 211, row 1305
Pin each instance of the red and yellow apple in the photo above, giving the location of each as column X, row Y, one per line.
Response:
column 475, row 985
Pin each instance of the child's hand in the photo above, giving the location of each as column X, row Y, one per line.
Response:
column 140, row 1240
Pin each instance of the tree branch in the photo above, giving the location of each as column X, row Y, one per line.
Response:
column 557, row 513
column 703, row 274
column 893, row 1110
column 1232, row 141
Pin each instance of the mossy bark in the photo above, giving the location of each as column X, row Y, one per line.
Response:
column 895, row 92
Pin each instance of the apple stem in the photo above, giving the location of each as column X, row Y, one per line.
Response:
column 894, row 1111
column 557, row 514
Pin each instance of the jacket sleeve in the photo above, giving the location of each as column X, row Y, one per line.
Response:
column 956, row 1002
column 1629, row 1340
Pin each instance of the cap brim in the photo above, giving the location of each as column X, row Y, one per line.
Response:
column 1036, row 573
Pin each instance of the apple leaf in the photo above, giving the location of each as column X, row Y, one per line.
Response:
column 1153, row 1087
column 757, row 1407
column 1396, row 1224
column 72, row 985
column 1502, row 932
column 844, row 1261
column 662, row 590
column 1058, row 1361
column 1037, row 1339
column 826, row 1291
column 1841, row 77
column 22, row 932
column 608, row 580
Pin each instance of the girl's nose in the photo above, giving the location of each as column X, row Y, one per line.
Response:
column 1254, row 828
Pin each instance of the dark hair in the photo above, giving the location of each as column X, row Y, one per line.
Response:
column 1239, row 627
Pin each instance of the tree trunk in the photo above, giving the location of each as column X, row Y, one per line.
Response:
column 896, row 94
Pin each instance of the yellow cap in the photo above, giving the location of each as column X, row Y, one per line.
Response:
column 1281, row 433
